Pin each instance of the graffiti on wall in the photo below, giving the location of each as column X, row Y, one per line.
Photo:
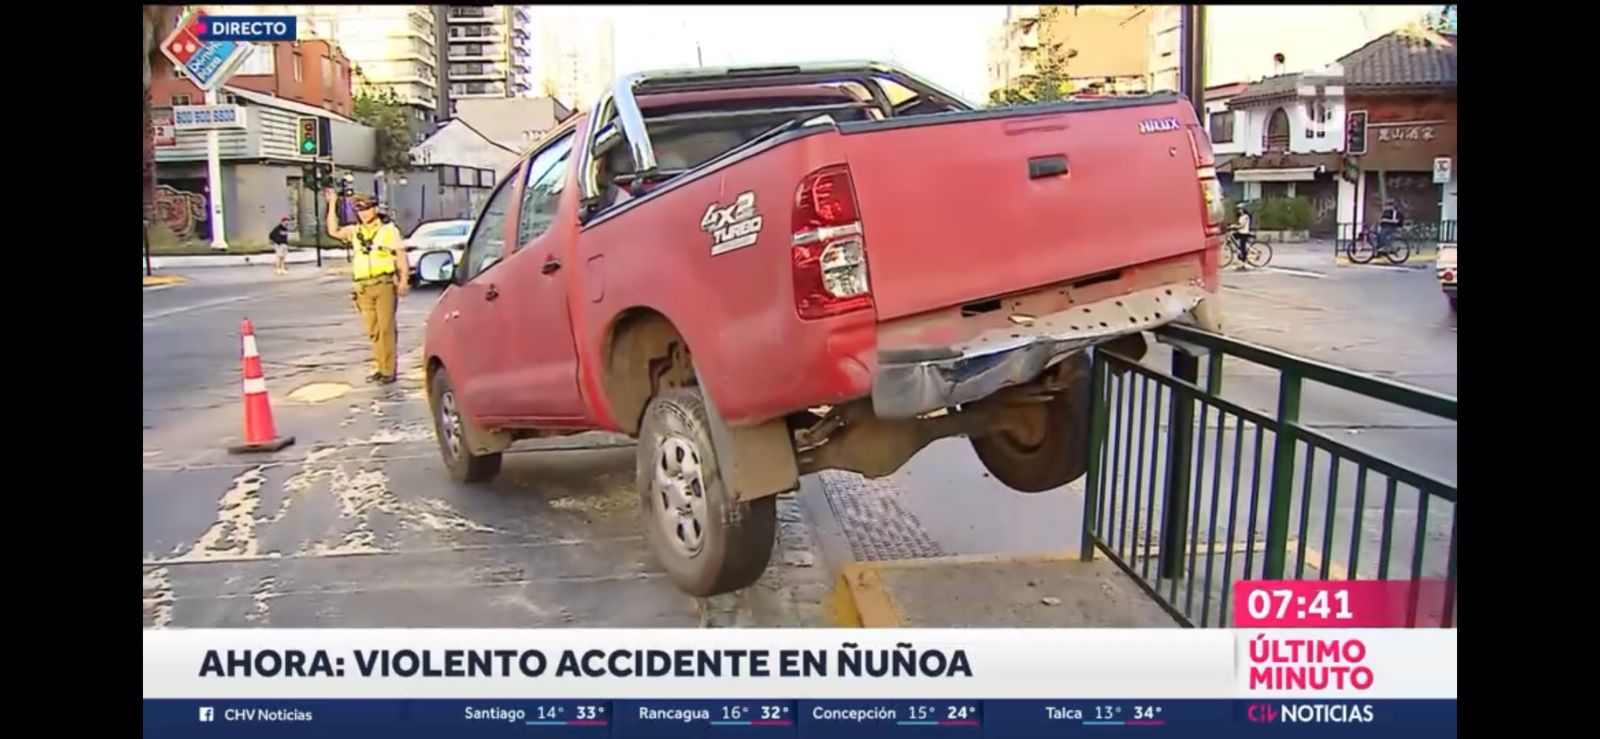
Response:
column 1414, row 192
column 180, row 211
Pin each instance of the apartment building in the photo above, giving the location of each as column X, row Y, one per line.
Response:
column 573, row 58
column 1108, row 45
column 487, row 52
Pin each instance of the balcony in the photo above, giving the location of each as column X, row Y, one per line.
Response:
column 484, row 89
column 458, row 54
column 484, row 75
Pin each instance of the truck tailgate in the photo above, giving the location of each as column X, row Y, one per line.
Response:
column 964, row 207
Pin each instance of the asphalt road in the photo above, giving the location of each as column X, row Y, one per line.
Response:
column 357, row 524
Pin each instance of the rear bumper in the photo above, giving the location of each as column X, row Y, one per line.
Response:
column 912, row 382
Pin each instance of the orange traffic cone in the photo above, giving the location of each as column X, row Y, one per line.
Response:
column 260, row 435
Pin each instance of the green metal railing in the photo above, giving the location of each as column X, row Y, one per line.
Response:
column 1207, row 492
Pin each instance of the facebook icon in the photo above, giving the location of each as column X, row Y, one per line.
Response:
column 207, row 713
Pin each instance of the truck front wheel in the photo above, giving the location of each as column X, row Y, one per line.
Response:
column 452, row 429
column 1046, row 445
column 708, row 542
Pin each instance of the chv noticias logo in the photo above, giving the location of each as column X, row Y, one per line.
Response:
column 1309, row 713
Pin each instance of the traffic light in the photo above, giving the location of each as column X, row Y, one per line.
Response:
column 309, row 140
column 1355, row 133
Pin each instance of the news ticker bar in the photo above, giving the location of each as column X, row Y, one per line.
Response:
column 878, row 719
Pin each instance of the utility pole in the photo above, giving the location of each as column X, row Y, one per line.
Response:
column 219, row 229
column 1185, row 362
column 1192, row 56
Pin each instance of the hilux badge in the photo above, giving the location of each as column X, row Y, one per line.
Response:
column 1157, row 125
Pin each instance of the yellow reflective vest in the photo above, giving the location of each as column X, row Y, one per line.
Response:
column 373, row 253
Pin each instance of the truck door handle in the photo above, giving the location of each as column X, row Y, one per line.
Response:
column 1042, row 167
column 491, row 293
column 550, row 265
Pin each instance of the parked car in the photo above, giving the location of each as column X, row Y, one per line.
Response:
column 763, row 273
column 436, row 235
column 1447, row 271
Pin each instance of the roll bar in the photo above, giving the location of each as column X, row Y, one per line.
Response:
column 620, row 103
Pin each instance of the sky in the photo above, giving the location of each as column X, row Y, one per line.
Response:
column 947, row 44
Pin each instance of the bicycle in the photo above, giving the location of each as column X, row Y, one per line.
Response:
column 1365, row 247
column 1256, row 255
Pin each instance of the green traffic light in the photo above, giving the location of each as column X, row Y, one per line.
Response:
column 308, row 146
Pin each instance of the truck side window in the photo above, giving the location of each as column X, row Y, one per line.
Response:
column 488, row 244
column 541, row 196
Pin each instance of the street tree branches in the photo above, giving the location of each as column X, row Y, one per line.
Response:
column 382, row 110
column 1047, row 78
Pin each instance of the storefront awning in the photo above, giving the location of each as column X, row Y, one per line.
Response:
column 1289, row 174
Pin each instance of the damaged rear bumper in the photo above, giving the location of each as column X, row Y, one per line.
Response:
column 912, row 382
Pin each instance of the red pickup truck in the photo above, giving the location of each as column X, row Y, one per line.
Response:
column 763, row 273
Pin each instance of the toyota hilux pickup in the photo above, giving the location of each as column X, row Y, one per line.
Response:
column 761, row 273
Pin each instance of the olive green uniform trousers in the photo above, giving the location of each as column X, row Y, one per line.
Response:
column 376, row 298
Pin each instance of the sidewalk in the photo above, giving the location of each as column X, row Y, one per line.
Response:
column 296, row 256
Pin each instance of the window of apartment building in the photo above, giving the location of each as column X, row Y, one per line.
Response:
column 180, row 99
column 1221, row 127
column 261, row 61
column 299, row 68
column 327, row 78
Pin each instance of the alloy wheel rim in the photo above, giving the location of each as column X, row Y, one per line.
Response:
column 678, row 493
column 450, row 423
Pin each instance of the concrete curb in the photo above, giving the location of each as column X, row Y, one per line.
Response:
column 1344, row 261
column 296, row 256
column 160, row 280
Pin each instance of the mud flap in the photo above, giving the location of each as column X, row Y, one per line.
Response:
column 756, row 461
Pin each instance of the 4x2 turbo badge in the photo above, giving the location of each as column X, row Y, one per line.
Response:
column 734, row 226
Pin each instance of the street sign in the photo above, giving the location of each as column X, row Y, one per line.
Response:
column 1441, row 170
column 208, row 117
column 207, row 63
column 162, row 130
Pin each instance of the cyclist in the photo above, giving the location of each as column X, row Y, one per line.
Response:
column 1243, row 233
column 1389, row 223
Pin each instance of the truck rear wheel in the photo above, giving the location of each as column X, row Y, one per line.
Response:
column 450, row 427
column 708, row 542
column 1048, row 446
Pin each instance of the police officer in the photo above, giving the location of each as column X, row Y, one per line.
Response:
column 381, row 273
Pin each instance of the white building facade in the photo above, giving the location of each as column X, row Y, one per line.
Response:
column 573, row 57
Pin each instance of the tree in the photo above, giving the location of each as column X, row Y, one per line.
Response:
column 1048, row 81
column 159, row 20
column 383, row 111
column 1444, row 19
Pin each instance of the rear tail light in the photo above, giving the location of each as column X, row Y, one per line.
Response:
column 829, row 253
column 1212, row 200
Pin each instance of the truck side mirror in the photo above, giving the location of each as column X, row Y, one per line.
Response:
column 437, row 266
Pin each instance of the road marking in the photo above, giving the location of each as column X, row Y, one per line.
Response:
column 199, row 306
column 1298, row 272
